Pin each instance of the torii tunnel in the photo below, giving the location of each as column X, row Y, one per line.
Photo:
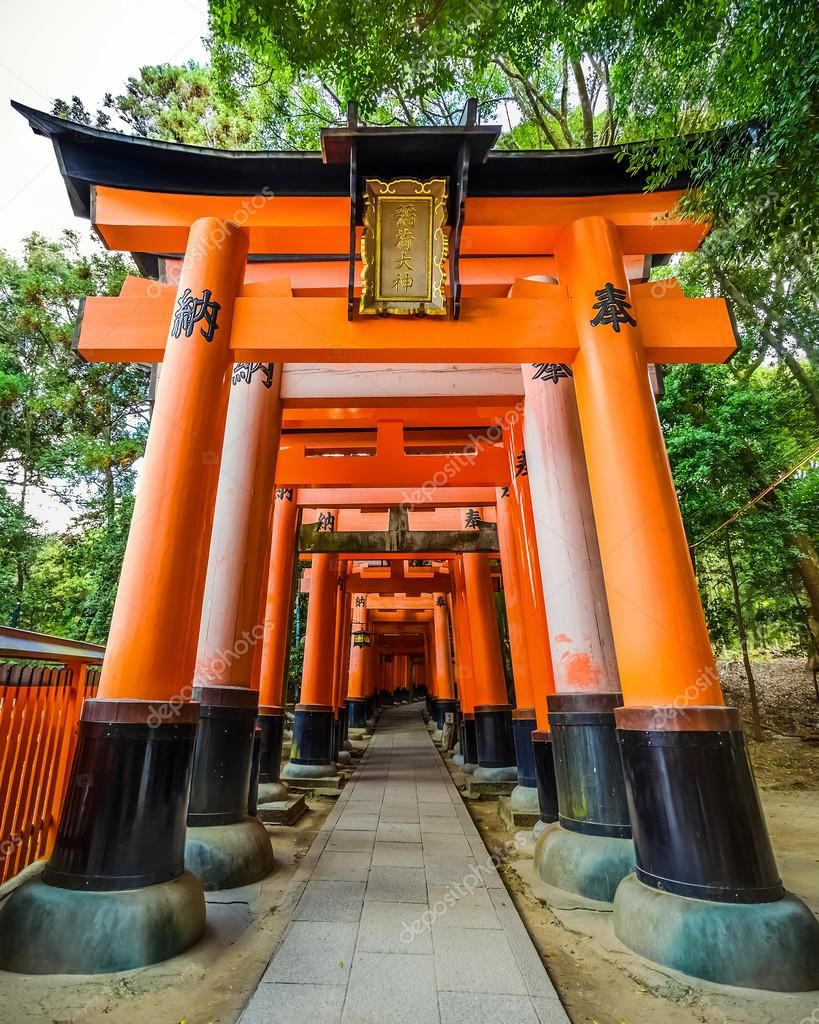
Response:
column 500, row 433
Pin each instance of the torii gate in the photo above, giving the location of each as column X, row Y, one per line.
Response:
column 268, row 285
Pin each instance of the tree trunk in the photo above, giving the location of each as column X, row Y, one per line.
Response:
column 743, row 642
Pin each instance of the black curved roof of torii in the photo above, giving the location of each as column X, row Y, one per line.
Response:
column 91, row 156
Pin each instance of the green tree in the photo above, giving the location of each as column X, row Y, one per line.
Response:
column 70, row 430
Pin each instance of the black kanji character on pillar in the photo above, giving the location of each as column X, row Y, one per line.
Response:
column 360, row 601
column 190, row 310
column 440, row 600
column 473, row 519
column 504, row 492
column 612, row 307
column 521, row 469
column 326, row 522
column 245, row 371
column 284, row 493
column 551, row 371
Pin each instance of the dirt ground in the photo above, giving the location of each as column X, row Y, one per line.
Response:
column 602, row 982
column 210, row 984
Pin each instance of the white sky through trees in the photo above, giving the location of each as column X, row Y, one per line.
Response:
column 85, row 48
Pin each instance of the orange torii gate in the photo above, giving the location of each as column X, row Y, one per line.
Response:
column 251, row 252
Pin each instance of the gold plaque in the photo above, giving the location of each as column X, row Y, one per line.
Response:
column 404, row 248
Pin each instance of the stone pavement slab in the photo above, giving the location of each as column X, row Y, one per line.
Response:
column 397, row 911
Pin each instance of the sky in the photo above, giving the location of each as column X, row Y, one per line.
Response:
column 54, row 48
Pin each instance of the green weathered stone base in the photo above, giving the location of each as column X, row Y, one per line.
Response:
column 227, row 856
column 773, row 946
column 592, row 866
column 512, row 817
column 268, row 792
column 45, row 930
column 293, row 772
column 331, row 785
column 477, row 790
column 283, row 812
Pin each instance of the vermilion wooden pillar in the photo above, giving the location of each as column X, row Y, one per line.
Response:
column 357, row 689
column 493, row 713
column 698, row 825
column 272, row 665
column 343, row 630
column 231, row 629
column 313, row 723
column 444, row 681
column 445, row 699
column 123, row 822
column 522, row 521
column 588, row 769
column 464, row 670
column 524, row 720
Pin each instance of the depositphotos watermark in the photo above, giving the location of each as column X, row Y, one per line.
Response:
column 459, row 460
column 472, row 880
column 211, row 674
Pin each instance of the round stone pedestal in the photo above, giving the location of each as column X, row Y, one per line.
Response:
column 47, row 930
column 591, row 866
column 773, row 946
column 227, row 856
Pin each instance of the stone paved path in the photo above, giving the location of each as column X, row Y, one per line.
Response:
column 398, row 914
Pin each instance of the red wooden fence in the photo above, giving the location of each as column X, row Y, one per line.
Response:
column 41, row 694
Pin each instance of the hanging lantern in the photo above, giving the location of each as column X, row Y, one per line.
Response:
column 361, row 638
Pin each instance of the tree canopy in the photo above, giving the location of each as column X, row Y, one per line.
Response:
column 729, row 89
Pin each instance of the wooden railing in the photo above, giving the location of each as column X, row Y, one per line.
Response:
column 43, row 682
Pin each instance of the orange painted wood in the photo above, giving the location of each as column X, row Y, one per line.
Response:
column 464, row 663
column 138, row 221
column 443, row 675
column 38, row 721
column 384, row 497
column 319, row 643
column 663, row 650
column 155, row 625
column 516, row 330
column 278, row 603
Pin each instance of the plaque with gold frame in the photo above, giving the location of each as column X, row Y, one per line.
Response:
column 404, row 247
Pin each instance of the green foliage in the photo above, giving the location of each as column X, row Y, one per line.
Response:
column 728, row 437
column 68, row 430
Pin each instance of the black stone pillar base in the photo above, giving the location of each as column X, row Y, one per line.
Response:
column 121, row 840
column 311, row 754
column 699, row 829
column 253, row 790
column 495, row 743
column 271, row 722
column 386, row 698
column 524, row 724
column 706, row 898
column 223, row 756
column 343, row 729
column 356, row 716
column 225, row 848
column 590, row 851
column 591, row 793
column 469, row 742
column 545, row 776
